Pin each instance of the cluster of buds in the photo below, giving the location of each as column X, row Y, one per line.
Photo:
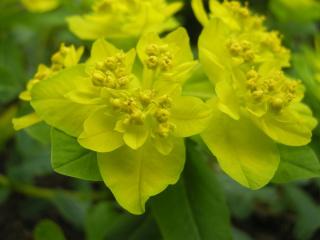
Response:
column 111, row 73
column 131, row 108
column 158, row 57
column 242, row 49
column 58, row 59
column 135, row 106
column 272, row 40
column 142, row 103
column 276, row 89
column 162, row 114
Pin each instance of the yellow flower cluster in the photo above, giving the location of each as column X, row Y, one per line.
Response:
column 122, row 19
column 65, row 57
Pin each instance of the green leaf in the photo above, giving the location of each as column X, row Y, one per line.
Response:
column 104, row 221
column 195, row 208
column 40, row 132
column 296, row 163
column 71, row 208
column 33, row 160
column 69, row 158
column 99, row 221
column 48, row 230
column 174, row 215
column 308, row 213
column 240, row 199
column 243, row 151
column 50, row 103
column 134, row 176
column 148, row 229
column 240, row 235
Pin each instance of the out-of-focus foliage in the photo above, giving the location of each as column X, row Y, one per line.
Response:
column 40, row 5
column 307, row 67
column 296, row 10
column 48, row 230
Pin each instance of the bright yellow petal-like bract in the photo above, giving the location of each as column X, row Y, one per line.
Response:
column 243, row 150
column 257, row 103
column 131, row 113
column 135, row 175
column 40, row 5
column 124, row 19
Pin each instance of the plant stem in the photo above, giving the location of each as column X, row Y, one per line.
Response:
column 46, row 193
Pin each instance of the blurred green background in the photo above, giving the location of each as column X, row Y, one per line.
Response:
column 36, row 203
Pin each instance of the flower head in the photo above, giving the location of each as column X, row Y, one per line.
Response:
column 131, row 113
column 124, row 18
column 256, row 104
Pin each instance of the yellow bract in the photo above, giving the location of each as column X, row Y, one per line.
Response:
column 124, row 18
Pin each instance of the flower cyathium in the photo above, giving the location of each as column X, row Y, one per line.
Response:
column 137, row 117
column 256, row 102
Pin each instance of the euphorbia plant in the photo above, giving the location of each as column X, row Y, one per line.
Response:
column 121, row 115
column 133, row 117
